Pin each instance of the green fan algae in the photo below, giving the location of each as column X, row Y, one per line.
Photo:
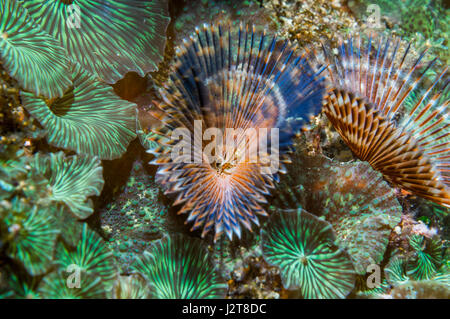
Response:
column 82, row 215
column 354, row 198
column 304, row 248
column 87, row 37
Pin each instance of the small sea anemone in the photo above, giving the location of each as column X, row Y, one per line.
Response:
column 72, row 180
column 29, row 54
column 178, row 267
column 242, row 86
column 29, row 233
column 89, row 119
column 305, row 250
column 107, row 37
column 369, row 85
column 443, row 274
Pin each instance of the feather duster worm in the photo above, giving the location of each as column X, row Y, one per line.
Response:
column 231, row 78
column 371, row 79
column 108, row 38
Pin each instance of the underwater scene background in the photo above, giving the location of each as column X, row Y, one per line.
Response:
column 354, row 95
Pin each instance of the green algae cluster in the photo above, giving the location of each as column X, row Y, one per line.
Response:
column 424, row 21
column 44, row 198
column 88, row 119
column 136, row 217
column 59, row 73
column 78, row 25
column 329, row 223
